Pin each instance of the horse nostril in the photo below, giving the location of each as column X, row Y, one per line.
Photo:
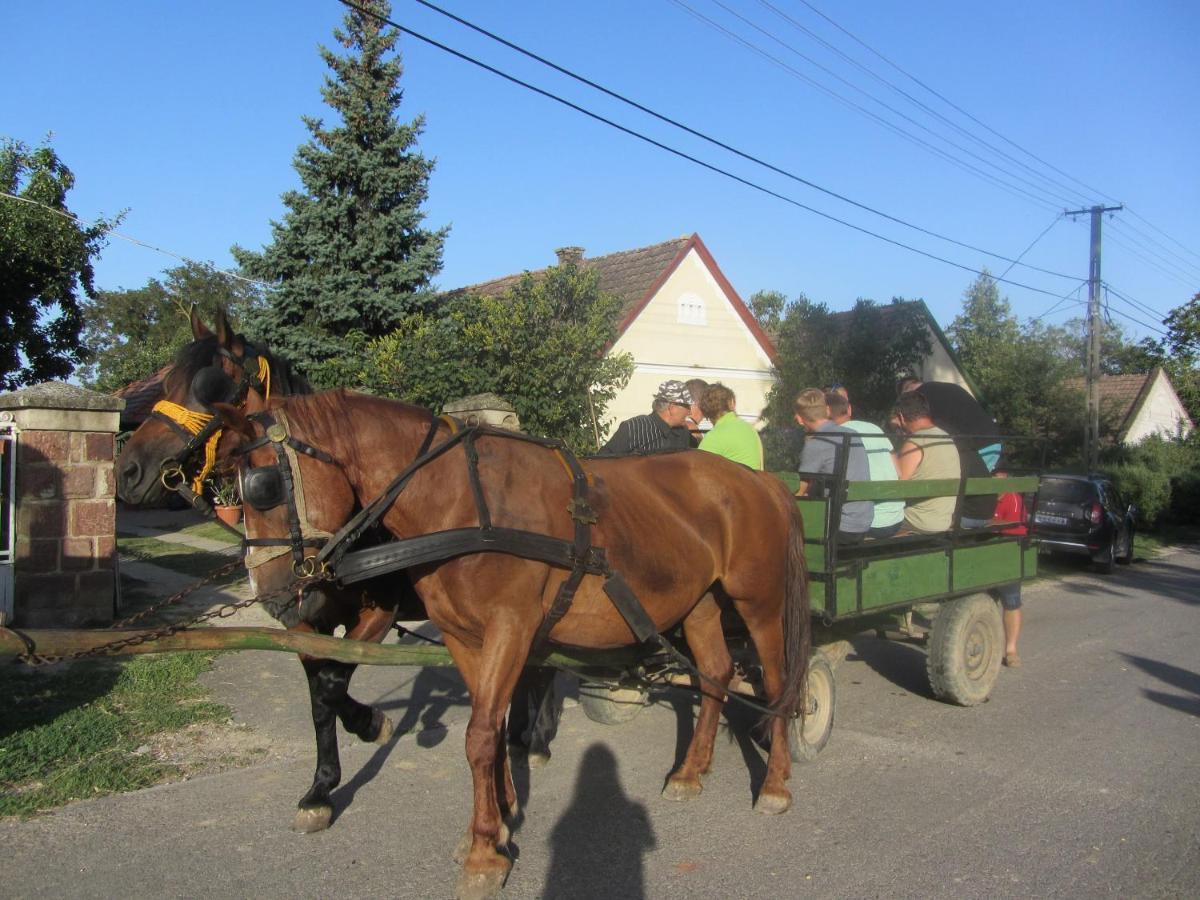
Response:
column 131, row 474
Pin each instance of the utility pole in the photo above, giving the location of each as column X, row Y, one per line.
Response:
column 1091, row 428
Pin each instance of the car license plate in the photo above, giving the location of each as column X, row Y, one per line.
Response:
column 1047, row 519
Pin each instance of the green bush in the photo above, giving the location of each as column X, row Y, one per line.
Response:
column 1146, row 488
column 1185, row 498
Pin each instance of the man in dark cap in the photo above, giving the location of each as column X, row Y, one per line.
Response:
column 661, row 429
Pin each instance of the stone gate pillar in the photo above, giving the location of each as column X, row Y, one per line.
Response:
column 64, row 566
column 484, row 409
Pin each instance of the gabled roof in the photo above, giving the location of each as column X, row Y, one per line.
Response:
column 140, row 397
column 1123, row 396
column 889, row 309
column 635, row 276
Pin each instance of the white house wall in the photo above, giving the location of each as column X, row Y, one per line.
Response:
column 689, row 329
column 1162, row 414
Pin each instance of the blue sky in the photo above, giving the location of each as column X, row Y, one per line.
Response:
column 188, row 115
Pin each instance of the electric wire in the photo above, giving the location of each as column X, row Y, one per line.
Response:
column 872, row 97
column 724, row 146
column 1061, row 300
column 1122, row 241
column 1185, row 269
column 920, row 142
column 1021, row 255
column 676, row 152
column 1138, row 322
column 1136, row 215
column 1091, row 190
column 132, row 240
column 1132, row 302
column 917, row 101
column 1125, row 223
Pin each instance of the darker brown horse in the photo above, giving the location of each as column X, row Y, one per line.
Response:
column 210, row 368
column 681, row 529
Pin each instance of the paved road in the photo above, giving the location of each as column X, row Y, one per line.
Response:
column 1080, row 778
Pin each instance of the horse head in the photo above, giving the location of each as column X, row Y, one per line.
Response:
column 176, row 443
column 295, row 495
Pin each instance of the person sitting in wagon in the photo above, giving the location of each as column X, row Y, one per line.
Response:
column 823, row 443
column 661, row 429
column 928, row 454
column 881, row 460
column 729, row 436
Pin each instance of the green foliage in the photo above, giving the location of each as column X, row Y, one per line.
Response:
column 75, row 734
column 1020, row 372
column 133, row 333
column 541, row 346
column 45, row 261
column 350, row 254
column 865, row 350
column 1160, row 477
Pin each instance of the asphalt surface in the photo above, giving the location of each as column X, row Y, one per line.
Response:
column 1079, row 778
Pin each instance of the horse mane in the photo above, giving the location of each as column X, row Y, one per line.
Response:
column 202, row 353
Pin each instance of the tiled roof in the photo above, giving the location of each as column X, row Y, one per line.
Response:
column 140, row 397
column 1119, row 397
column 629, row 274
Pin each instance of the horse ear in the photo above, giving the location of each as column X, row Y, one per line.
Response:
column 234, row 419
column 199, row 329
column 225, row 335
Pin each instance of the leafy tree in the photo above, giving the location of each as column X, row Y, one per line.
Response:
column 350, row 253
column 864, row 349
column 45, row 260
column 1119, row 355
column 540, row 345
column 134, row 333
column 768, row 307
column 1020, row 371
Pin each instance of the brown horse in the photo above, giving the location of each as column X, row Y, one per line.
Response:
column 214, row 364
column 681, row 529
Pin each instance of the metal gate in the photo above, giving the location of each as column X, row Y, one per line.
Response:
column 8, row 514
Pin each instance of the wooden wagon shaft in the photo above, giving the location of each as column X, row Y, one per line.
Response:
column 61, row 642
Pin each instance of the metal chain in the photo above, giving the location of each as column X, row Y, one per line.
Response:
column 224, row 611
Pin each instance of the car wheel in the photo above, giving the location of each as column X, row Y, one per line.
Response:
column 1126, row 555
column 1104, row 561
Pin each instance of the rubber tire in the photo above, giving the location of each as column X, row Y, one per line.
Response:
column 807, row 737
column 1104, row 564
column 1127, row 557
column 611, row 704
column 966, row 647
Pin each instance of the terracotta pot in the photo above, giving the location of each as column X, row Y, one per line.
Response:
column 230, row 515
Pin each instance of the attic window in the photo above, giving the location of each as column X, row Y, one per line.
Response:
column 691, row 310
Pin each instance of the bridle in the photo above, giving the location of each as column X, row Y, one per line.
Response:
column 201, row 431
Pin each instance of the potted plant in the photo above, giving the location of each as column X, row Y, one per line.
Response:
column 227, row 500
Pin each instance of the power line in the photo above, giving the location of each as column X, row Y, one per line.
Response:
column 1136, row 304
column 725, row 146
column 920, row 142
column 1122, row 241
column 1060, row 302
column 912, row 99
column 1157, row 243
column 1136, row 321
column 77, row 220
column 676, row 152
column 870, row 96
column 1031, row 246
column 1163, row 233
column 1184, row 269
column 1093, row 191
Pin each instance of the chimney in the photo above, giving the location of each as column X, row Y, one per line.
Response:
column 569, row 255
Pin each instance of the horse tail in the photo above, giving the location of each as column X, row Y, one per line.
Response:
column 797, row 623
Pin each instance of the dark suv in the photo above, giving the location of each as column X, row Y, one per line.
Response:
column 1084, row 514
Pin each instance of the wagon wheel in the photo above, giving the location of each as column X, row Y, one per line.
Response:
column 808, row 736
column 610, row 703
column 966, row 646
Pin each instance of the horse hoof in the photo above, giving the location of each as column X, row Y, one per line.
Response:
column 682, row 790
column 481, row 885
column 463, row 848
column 315, row 818
column 773, row 804
column 385, row 728
column 536, row 760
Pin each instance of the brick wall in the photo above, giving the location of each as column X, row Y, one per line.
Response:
column 65, row 572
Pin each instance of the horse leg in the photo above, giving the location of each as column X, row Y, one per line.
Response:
column 535, row 694
column 705, row 638
column 491, row 674
column 766, row 632
column 328, row 688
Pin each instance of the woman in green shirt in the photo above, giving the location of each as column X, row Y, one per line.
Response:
column 730, row 436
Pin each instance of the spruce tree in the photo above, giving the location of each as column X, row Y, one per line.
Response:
column 350, row 253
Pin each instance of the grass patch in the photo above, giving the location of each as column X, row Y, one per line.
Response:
column 176, row 557
column 210, row 531
column 74, row 733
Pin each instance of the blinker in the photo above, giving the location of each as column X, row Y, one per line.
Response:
column 262, row 487
column 212, row 385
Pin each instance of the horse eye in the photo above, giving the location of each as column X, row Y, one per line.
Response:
column 212, row 385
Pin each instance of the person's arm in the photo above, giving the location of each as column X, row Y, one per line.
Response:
column 908, row 459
